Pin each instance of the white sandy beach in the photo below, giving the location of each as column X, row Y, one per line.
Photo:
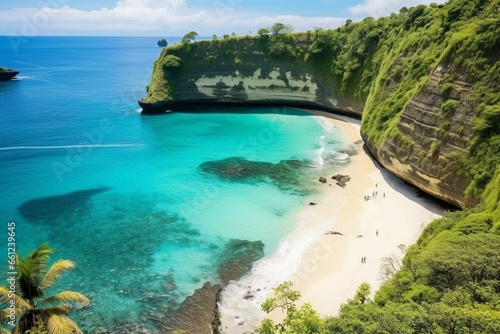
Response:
column 329, row 268
column 397, row 213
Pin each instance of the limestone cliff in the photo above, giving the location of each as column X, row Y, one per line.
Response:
column 237, row 71
column 432, row 114
column 432, row 137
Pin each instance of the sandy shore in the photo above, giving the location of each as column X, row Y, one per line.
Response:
column 330, row 267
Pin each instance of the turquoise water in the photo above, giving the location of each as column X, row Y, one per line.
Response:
column 145, row 205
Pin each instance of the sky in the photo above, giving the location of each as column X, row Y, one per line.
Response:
column 162, row 18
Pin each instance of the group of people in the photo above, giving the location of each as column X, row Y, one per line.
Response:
column 374, row 194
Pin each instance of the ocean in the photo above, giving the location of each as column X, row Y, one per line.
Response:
column 149, row 207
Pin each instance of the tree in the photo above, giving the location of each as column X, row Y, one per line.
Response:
column 190, row 36
column 303, row 320
column 362, row 295
column 37, row 312
column 280, row 28
column 263, row 32
column 463, row 261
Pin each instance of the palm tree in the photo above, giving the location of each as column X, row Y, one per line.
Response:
column 35, row 310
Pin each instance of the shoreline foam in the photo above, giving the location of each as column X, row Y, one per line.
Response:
column 329, row 269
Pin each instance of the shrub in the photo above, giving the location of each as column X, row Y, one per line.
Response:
column 449, row 106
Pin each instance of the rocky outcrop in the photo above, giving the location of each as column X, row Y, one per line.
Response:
column 237, row 259
column 198, row 313
column 162, row 43
column 7, row 74
column 237, row 72
column 436, row 124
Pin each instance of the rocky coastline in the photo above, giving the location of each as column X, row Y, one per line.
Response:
column 199, row 313
column 7, row 74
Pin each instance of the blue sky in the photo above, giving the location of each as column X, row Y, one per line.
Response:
column 176, row 17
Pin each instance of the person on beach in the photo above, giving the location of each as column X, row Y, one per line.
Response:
column 376, row 233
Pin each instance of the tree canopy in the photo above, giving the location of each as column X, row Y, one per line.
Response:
column 263, row 31
column 280, row 28
column 190, row 36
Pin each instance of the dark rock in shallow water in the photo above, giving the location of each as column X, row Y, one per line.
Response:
column 286, row 174
column 198, row 314
column 53, row 207
column 237, row 259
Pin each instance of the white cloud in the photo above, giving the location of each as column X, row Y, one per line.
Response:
column 377, row 8
column 147, row 17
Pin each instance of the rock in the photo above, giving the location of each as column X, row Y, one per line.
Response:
column 237, row 259
column 162, row 43
column 322, row 179
column 334, row 233
column 7, row 74
column 198, row 313
column 248, row 295
column 341, row 179
column 285, row 174
column 313, row 203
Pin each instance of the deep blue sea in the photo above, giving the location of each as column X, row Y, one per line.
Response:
column 147, row 206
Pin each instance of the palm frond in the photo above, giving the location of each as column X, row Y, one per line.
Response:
column 55, row 272
column 6, row 296
column 65, row 297
column 28, row 284
column 41, row 318
column 6, row 315
column 31, row 271
column 39, row 259
column 59, row 310
column 60, row 324
column 4, row 331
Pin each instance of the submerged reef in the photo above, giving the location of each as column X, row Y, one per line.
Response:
column 285, row 174
column 53, row 207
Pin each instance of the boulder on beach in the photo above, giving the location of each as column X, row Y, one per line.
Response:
column 341, row 179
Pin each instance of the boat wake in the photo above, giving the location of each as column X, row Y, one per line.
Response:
column 56, row 147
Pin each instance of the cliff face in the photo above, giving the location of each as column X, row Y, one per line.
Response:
column 237, row 71
column 432, row 137
column 433, row 113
